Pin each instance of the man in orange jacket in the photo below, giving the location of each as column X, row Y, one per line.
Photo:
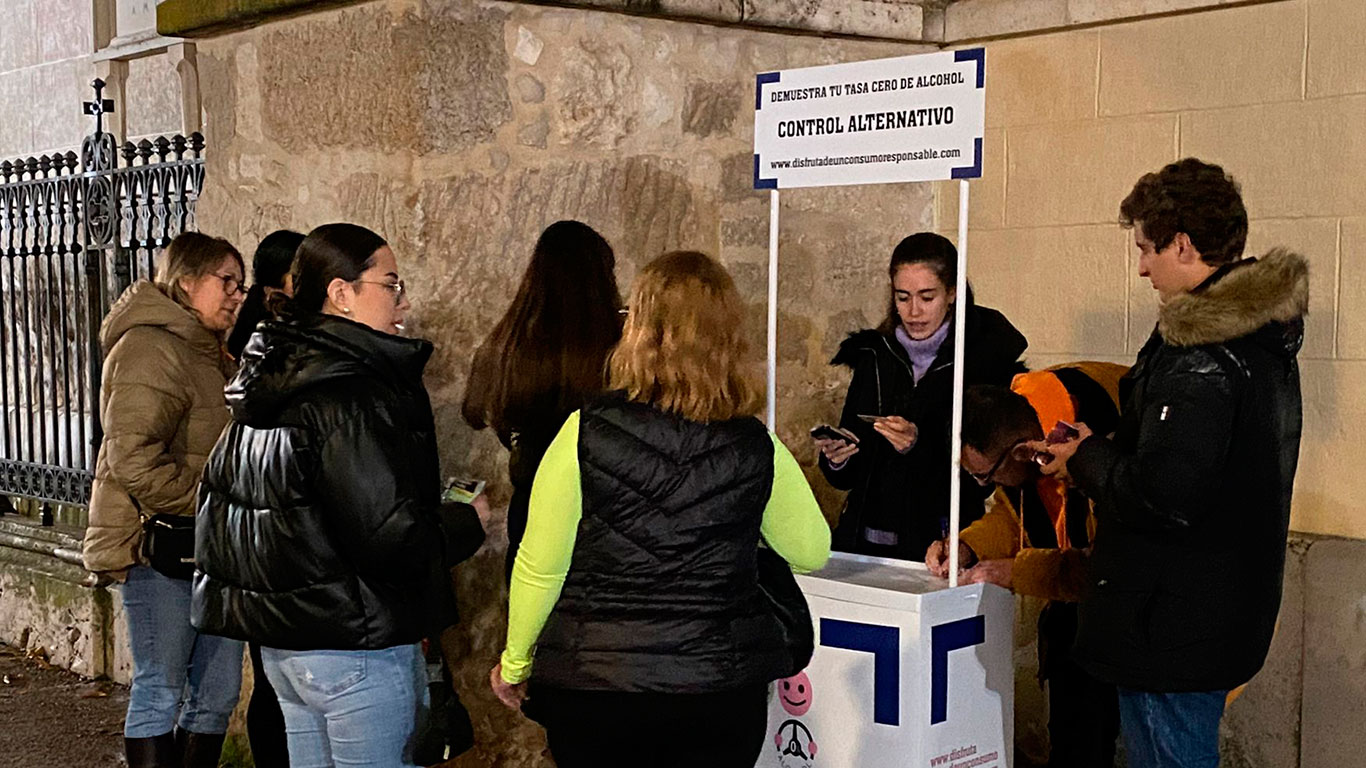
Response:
column 1036, row 535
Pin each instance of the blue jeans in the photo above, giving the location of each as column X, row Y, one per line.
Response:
column 179, row 675
column 1171, row 730
column 345, row 708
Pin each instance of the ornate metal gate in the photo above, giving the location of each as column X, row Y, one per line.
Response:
column 74, row 233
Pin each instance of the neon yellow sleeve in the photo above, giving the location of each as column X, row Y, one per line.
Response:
column 543, row 558
column 793, row 524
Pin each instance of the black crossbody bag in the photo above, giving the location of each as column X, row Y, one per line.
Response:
column 789, row 606
column 168, row 543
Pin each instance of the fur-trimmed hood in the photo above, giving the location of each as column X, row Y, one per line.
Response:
column 1247, row 297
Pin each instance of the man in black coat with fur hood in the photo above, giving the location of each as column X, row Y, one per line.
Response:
column 1193, row 491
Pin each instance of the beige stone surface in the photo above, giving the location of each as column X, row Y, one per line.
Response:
column 1337, row 61
column 986, row 196
column 1077, row 172
column 871, row 18
column 974, row 19
column 424, row 83
column 1236, row 56
column 1351, row 315
column 1328, row 487
column 1037, row 361
column 1093, row 11
column 1317, row 240
column 16, row 129
column 1045, row 79
column 1293, row 159
column 1063, row 287
column 1335, row 662
column 152, row 97
column 979, row 19
column 64, row 29
column 18, row 35
column 59, row 89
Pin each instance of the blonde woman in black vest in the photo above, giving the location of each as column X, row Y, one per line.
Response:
column 635, row 588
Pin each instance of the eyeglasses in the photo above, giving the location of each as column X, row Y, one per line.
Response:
column 231, row 284
column 989, row 478
column 398, row 288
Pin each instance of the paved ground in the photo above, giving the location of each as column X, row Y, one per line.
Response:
column 52, row 718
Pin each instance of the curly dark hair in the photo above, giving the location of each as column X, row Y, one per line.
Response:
column 1194, row 197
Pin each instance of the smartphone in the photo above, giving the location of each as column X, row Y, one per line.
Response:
column 1062, row 432
column 461, row 490
column 827, row 432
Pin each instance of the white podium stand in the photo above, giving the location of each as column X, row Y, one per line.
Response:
column 907, row 672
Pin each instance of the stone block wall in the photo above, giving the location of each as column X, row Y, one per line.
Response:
column 45, row 48
column 460, row 130
column 53, row 608
column 1276, row 93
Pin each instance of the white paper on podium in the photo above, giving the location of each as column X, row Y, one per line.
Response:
column 907, row 672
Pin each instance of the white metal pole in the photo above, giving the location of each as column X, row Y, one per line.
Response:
column 772, row 391
column 959, row 327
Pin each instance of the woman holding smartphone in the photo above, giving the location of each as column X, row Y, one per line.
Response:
column 900, row 401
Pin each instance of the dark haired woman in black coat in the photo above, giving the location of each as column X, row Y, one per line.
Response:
column 320, row 532
column 897, row 474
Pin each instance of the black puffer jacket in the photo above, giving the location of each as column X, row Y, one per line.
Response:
column 1193, row 493
column 908, row 494
column 662, row 594
column 318, row 523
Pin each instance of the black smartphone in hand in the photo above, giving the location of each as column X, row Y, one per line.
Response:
column 827, row 432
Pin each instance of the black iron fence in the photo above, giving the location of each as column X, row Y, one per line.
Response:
column 74, row 233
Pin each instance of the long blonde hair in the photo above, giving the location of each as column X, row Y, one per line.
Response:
column 683, row 349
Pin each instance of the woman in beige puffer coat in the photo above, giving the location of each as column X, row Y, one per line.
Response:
column 161, row 410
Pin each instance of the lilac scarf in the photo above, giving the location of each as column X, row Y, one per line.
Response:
column 922, row 353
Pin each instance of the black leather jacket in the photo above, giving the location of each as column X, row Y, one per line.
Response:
column 319, row 525
column 1193, row 493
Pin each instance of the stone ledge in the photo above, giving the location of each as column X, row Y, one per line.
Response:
column 207, row 18
column 966, row 20
column 882, row 19
column 943, row 21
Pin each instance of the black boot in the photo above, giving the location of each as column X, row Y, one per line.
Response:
column 199, row 750
column 156, row 752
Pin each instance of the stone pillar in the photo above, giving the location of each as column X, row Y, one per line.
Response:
column 182, row 55
column 104, row 17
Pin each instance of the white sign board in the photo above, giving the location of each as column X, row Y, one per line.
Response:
column 907, row 674
column 912, row 118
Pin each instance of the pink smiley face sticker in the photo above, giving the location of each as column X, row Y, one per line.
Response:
column 795, row 694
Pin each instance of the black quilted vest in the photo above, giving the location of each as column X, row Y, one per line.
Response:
column 661, row 595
